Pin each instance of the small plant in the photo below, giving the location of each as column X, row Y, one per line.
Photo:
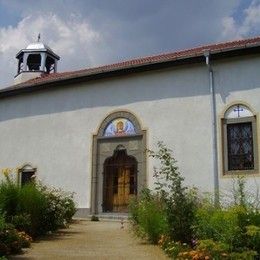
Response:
column 94, row 218
column 25, row 239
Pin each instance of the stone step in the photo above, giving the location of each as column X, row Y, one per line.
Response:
column 113, row 216
column 107, row 217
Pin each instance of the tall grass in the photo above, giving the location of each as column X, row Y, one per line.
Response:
column 33, row 202
column 9, row 195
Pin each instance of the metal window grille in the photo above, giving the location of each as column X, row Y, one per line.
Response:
column 240, row 146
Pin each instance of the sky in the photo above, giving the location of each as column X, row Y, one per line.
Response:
column 89, row 33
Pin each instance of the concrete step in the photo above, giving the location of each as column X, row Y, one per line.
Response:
column 113, row 216
column 107, row 217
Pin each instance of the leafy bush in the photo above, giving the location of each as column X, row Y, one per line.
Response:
column 10, row 240
column 21, row 222
column 221, row 225
column 33, row 202
column 172, row 248
column 94, row 218
column 253, row 237
column 60, row 207
column 9, row 195
column 181, row 203
column 34, row 208
column 148, row 216
column 188, row 227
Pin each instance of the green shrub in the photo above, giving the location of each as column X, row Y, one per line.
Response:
column 33, row 202
column 94, row 218
column 10, row 241
column 34, row 208
column 25, row 239
column 21, row 222
column 217, row 250
column 253, row 237
column 220, row 225
column 9, row 196
column 60, row 207
column 181, row 203
column 148, row 216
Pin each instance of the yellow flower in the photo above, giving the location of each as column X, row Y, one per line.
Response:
column 6, row 171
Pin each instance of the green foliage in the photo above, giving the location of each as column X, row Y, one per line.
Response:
column 188, row 227
column 181, row 203
column 221, row 225
column 239, row 193
column 34, row 208
column 33, row 202
column 60, row 207
column 172, row 248
column 253, row 237
column 22, row 222
column 31, row 209
column 237, row 227
column 215, row 249
column 9, row 194
column 94, row 218
column 148, row 216
column 10, row 241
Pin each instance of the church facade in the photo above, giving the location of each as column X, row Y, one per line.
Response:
column 88, row 131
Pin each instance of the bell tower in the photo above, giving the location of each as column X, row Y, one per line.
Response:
column 34, row 61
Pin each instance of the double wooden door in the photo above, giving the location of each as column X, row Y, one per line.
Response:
column 120, row 182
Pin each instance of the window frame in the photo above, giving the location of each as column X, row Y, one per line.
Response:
column 227, row 121
column 27, row 168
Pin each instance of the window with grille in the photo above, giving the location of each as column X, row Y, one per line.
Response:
column 240, row 146
column 239, row 140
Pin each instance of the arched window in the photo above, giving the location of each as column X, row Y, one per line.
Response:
column 240, row 147
column 27, row 174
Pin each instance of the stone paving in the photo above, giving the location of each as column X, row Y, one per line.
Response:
column 92, row 240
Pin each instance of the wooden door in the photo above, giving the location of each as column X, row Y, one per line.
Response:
column 120, row 182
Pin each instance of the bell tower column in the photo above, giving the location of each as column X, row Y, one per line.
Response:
column 43, row 61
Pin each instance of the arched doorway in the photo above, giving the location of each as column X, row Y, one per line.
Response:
column 120, row 181
column 118, row 163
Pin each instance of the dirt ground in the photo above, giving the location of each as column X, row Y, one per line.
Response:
column 92, row 240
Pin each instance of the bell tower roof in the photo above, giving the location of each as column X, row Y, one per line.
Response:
column 37, row 47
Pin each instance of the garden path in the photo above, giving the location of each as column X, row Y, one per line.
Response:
column 92, row 240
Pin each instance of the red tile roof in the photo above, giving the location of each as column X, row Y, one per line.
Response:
column 139, row 62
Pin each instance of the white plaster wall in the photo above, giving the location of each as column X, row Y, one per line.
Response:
column 53, row 129
column 238, row 80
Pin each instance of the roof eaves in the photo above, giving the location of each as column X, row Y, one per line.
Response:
column 139, row 64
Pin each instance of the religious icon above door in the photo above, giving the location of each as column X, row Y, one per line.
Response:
column 119, row 127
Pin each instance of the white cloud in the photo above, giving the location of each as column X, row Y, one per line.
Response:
column 90, row 33
column 250, row 25
column 73, row 39
column 229, row 28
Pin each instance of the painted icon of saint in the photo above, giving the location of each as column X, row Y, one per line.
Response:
column 120, row 128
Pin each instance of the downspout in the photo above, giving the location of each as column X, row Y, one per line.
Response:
column 214, row 128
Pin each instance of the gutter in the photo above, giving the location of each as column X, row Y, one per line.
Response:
column 214, row 127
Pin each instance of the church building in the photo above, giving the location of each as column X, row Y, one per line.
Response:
column 88, row 131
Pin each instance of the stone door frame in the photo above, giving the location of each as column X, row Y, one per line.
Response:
column 104, row 147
